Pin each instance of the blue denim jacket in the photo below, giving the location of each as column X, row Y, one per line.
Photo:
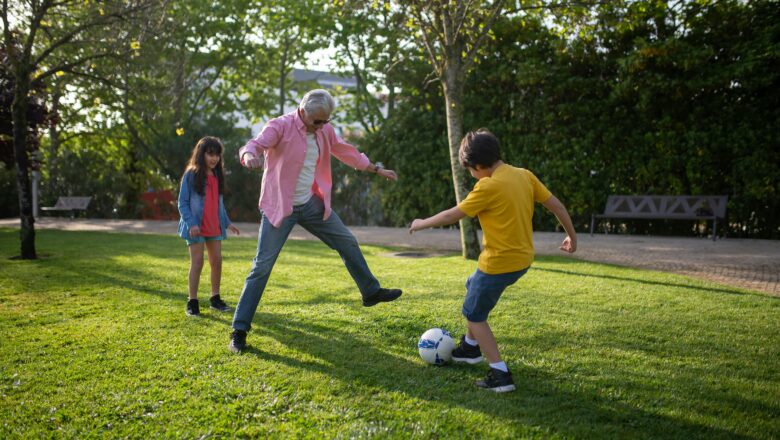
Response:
column 191, row 208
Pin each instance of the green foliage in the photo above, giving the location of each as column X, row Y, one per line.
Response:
column 280, row 35
column 637, row 97
column 372, row 42
column 173, row 86
column 96, row 344
column 85, row 157
column 413, row 142
column 627, row 98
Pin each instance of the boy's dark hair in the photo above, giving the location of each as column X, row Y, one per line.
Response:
column 197, row 164
column 479, row 147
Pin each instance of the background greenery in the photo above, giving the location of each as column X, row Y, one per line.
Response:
column 96, row 344
column 622, row 97
column 642, row 100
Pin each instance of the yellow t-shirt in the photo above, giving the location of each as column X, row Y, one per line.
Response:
column 504, row 203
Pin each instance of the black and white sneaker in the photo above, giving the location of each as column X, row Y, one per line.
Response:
column 465, row 352
column 497, row 381
column 218, row 304
column 382, row 295
column 237, row 341
column 193, row 308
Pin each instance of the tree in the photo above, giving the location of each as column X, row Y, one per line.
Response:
column 452, row 31
column 45, row 31
column 174, row 84
column 37, row 116
column 280, row 35
column 373, row 45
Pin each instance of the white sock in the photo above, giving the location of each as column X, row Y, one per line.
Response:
column 471, row 341
column 500, row 365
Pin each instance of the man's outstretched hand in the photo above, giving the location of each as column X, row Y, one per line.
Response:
column 251, row 161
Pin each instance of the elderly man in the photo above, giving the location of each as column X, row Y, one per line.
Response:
column 296, row 150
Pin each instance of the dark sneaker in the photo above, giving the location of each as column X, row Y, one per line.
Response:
column 193, row 307
column 382, row 295
column 218, row 304
column 465, row 352
column 237, row 341
column 497, row 381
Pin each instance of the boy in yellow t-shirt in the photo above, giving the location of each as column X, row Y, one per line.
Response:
column 503, row 198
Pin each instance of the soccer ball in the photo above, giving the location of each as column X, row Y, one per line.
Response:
column 436, row 346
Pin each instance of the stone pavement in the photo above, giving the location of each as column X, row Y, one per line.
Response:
column 745, row 263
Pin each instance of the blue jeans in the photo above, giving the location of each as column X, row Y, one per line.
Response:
column 271, row 239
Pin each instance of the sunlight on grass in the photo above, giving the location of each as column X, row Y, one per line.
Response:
column 96, row 344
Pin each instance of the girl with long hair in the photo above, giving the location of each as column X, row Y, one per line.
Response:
column 204, row 221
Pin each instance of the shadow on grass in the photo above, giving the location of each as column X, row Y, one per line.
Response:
column 538, row 402
column 643, row 281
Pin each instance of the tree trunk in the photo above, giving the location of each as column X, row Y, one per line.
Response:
column 452, row 84
column 19, row 109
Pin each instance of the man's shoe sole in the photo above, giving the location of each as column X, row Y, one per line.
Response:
column 235, row 349
column 470, row 361
column 226, row 309
column 375, row 302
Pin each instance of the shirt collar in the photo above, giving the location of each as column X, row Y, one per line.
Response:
column 298, row 121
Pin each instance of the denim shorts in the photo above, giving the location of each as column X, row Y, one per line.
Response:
column 483, row 291
column 202, row 239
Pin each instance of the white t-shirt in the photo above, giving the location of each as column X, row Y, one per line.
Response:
column 306, row 178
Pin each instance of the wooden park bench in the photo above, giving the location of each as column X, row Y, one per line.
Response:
column 71, row 204
column 665, row 207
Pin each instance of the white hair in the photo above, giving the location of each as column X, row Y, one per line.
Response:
column 317, row 99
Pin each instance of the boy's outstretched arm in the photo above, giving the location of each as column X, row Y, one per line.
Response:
column 443, row 218
column 556, row 207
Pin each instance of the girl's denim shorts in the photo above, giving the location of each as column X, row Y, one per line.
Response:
column 202, row 239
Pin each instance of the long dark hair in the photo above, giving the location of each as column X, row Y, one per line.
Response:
column 197, row 164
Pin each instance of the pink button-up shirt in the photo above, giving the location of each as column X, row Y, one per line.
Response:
column 283, row 143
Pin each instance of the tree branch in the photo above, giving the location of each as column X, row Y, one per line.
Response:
column 463, row 11
column 559, row 6
column 103, row 20
column 446, row 25
column 203, row 91
column 96, row 78
column 79, row 134
column 439, row 69
column 6, row 27
column 485, row 30
column 69, row 66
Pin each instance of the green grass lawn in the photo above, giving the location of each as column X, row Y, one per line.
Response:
column 95, row 343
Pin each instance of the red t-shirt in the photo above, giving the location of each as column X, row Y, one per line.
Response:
column 209, row 226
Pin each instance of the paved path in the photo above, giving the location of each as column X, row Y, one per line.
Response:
column 751, row 264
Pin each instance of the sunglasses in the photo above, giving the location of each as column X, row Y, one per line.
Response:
column 321, row 121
